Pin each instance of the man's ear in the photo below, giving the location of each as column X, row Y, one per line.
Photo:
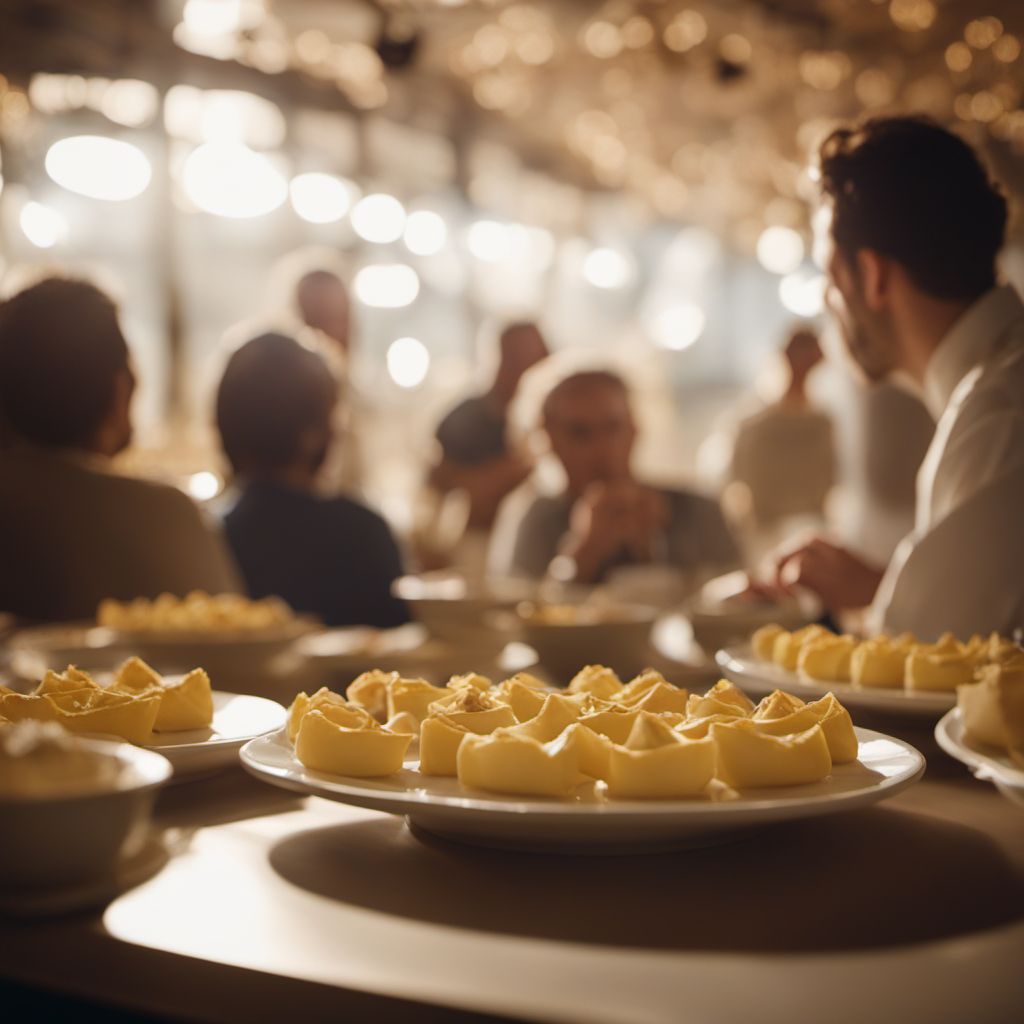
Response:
column 874, row 274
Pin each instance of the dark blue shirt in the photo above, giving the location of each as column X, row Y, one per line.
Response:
column 328, row 557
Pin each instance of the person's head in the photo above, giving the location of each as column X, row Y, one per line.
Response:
column 322, row 301
column 65, row 374
column 274, row 406
column 590, row 426
column 802, row 353
column 521, row 346
column 915, row 223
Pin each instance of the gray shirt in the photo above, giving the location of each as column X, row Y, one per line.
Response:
column 696, row 537
column 73, row 533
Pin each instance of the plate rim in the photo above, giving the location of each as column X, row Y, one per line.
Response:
column 217, row 743
column 692, row 812
column 949, row 734
column 880, row 699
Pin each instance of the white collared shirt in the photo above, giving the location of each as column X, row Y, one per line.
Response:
column 962, row 566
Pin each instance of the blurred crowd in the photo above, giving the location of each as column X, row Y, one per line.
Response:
column 535, row 476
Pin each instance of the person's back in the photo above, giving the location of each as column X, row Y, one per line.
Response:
column 786, row 457
column 327, row 556
column 785, row 454
column 71, row 531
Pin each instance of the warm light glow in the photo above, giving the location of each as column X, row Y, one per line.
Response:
column 378, row 218
column 489, row 241
column 958, row 57
column 677, row 327
column 735, row 48
column 803, row 292
column 607, row 268
column 44, row 227
column 204, row 485
column 686, row 30
column 408, row 362
column 223, row 115
column 98, row 167
column 603, row 39
column 1006, row 49
column 780, row 250
column 232, row 181
column 983, row 32
column 913, row 15
column 425, row 232
column 320, row 198
column 220, row 17
column 129, row 102
column 387, row 285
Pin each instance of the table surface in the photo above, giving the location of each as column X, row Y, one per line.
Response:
column 910, row 911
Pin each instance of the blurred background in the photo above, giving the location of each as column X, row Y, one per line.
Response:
column 632, row 175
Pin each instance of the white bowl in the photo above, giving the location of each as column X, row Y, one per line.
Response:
column 618, row 637
column 455, row 610
column 63, row 839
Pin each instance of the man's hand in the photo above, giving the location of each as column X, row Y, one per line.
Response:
column 839, row 578
column 611, row 517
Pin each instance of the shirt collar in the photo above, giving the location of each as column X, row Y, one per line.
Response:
column 971, row 339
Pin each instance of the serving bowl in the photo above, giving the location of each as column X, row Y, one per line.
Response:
column 458, row 611
column 64, row 838
column 570, row 636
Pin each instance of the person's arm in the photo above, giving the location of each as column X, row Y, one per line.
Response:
column 841, row 579
column 606, row 519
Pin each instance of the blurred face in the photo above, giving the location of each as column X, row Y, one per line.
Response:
column 865, row 329
column 592, row 432
column 323, row 303
column 115, row 432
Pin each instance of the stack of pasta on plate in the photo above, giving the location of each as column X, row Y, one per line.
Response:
column 643, row 739
column 816, row 654
column 137, row 703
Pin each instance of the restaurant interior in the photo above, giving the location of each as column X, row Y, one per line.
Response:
column 511, row 510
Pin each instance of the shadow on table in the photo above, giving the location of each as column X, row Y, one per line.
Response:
column 221, row 797
column 856, row 881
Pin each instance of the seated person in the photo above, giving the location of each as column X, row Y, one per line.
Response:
column 72, row 531
column 606, row 518
column 915, row 292
column 475, row 455
column 327, row 556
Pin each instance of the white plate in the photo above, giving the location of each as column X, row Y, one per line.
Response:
column 237, row 718
column 761, row 677
column 986, row 763
column 587, row 822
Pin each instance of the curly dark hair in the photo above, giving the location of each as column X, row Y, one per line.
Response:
column 912, row 190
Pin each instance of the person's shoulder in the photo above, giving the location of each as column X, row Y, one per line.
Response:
column 151, row 495
column 996, row 386
column 348, row 509
column 690, row 501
